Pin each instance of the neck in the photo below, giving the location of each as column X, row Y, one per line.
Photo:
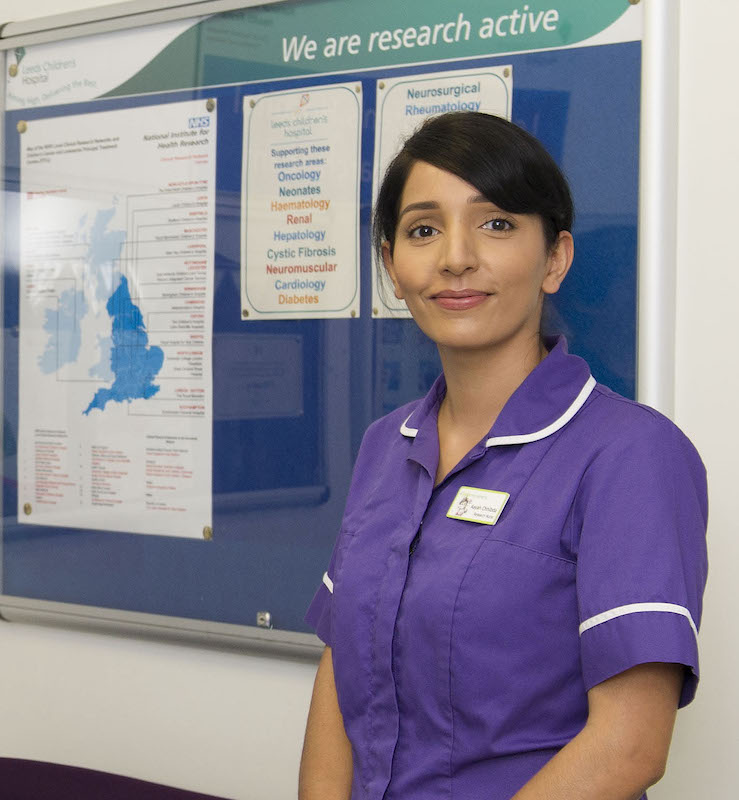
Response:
column 480, row 382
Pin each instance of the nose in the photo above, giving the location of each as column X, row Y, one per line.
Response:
column 459, row 253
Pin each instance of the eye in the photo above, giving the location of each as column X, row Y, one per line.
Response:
column 499, row 224
column 422, row 232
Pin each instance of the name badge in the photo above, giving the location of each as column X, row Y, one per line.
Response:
column 478, row 505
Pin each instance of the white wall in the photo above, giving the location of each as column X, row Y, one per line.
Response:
column 215, row 722
column 231, row 724
column 703, row 762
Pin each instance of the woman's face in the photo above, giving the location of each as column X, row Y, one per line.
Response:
column 472, row 275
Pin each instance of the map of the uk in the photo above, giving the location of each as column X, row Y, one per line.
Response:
column 124, row 360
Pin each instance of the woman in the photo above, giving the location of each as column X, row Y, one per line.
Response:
column 511, row 607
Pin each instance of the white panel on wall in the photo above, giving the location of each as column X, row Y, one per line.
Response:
column 703, row 756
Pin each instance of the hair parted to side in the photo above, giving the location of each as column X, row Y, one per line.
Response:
column 505, row 163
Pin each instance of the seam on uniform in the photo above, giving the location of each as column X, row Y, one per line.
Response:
column 369, row 728
column 451, row 639
column 629, row 402
column 637, row 608
column 328, row 582
column 572, row 562
column 559, row 423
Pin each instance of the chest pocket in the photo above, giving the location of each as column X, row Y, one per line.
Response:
column 515, row 661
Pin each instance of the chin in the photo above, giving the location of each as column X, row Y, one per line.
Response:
column 471, row 343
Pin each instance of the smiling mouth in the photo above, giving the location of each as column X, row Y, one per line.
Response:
column 461, row 299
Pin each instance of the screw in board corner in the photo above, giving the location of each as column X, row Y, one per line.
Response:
column 264, row 619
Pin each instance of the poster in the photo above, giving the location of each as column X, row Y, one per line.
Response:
column 300, row 204
column 115, row 308
column 402, row 106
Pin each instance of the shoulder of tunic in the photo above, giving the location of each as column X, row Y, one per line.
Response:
column 616, row 422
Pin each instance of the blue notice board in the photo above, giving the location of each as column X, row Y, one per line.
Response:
column 279, row 480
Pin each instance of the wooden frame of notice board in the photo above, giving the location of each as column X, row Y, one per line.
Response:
column 295, row 392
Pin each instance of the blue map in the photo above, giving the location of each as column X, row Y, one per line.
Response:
column 124, row 359
column 134, row 363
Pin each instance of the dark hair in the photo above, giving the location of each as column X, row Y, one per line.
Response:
column 504, row 162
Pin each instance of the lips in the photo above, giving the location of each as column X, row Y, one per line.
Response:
column 460, row 299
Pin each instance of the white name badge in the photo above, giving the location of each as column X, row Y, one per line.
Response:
column 478, row 505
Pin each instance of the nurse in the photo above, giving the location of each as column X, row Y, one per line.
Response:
column 512, row 604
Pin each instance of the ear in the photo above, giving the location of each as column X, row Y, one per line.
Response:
column 558, row 262
column 387, row 258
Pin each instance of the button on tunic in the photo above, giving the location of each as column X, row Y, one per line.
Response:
column 463, row 652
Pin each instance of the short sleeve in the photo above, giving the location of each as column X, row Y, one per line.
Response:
column 639, row 527
column 318, row 615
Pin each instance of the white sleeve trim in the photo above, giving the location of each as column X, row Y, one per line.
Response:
column 636, row 608
column 328, row 582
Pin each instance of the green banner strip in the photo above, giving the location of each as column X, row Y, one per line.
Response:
column 316, row 36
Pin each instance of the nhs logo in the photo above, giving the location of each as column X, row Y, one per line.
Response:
column 198, row 122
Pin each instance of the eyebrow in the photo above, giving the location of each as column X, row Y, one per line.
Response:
column 431, row 205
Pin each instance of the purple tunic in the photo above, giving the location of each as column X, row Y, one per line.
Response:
column 463, row 650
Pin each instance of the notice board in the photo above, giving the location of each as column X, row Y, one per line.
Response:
column 194, row 333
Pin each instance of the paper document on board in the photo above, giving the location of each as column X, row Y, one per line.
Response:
column 300, row 203
column 116, row 305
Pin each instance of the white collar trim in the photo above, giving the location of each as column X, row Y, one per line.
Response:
column 406, row 431
column 524, row 438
